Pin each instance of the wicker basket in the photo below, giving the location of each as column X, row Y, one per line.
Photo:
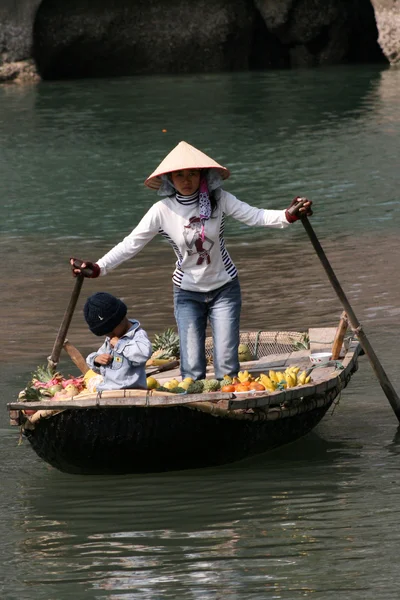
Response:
column 263, row 343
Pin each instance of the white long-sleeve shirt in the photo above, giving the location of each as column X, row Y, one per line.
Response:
column 202, row 265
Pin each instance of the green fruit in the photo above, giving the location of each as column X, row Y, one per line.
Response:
column 54, row 389
column 184, row 384
column 243, row 348
column 152, row 383
column 244, row 353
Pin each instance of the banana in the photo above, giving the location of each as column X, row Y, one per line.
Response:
column 301, row 379
column 290, row 371
column 272, row 376
column 291, row 380
column 269, row 388
column 280, row 377
column 244, row 376
column 267, row 382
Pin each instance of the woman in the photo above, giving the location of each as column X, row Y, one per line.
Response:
column 191, row 216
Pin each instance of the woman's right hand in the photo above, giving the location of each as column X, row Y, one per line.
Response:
column 85, row 268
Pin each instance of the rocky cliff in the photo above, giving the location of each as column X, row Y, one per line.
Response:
column 388, row 21
column 82, row 38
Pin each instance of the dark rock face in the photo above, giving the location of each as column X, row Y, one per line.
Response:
column 80, row 39
column 95, row 38
column 323, row 32
column 16, row 20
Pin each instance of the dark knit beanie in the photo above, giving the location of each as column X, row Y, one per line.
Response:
column 103, row 312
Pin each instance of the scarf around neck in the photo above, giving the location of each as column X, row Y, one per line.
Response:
column 204, row 204
column 203, row 198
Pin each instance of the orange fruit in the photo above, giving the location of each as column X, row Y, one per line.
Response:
column 258, row 387
column 239, row 387
column 228, row 388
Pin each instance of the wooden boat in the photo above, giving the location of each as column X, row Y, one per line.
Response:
column 136, row 431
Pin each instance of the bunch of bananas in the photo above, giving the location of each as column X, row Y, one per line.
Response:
column 244, row 377
column 284, row 380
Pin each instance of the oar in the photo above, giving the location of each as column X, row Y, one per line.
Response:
column 354, row 323
column 54, row 357
column 76, row 357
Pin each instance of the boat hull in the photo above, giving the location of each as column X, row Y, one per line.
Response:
column 144, row 440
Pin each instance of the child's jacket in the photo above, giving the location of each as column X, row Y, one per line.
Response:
column 127, row 369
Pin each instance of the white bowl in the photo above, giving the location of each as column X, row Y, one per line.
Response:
column 320, row 358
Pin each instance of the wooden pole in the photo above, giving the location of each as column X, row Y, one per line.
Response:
column 339, row 336
column 54, row 357
column 354, row 323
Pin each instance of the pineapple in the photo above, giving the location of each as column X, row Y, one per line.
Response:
column 166, row 344
column 45, row 374
column 43, row 379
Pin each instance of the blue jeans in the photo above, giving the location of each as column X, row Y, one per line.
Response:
column 192, row 311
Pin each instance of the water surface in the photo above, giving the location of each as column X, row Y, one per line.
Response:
column 315, row 519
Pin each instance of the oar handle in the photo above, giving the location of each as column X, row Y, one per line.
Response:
column 331, row 275
column 62, row 332
column 354, row 323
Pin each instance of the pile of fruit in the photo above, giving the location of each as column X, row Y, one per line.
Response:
column 45, row 384
column 243, row 382
column 275, row 380
column 187, row 385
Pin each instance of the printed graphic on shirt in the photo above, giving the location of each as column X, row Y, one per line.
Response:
column 117, row 362
column 196, row 242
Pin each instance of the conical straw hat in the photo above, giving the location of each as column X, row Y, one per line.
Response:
column 184, row 156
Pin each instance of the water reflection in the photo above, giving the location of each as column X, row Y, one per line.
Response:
column 150, row 535
column 394, row 446
column 388, row 93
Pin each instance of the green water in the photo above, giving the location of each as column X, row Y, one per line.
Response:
column 316, row 519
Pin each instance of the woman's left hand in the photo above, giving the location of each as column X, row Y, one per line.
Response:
column 299, row 207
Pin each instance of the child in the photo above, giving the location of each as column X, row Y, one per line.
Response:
column 122, row 358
